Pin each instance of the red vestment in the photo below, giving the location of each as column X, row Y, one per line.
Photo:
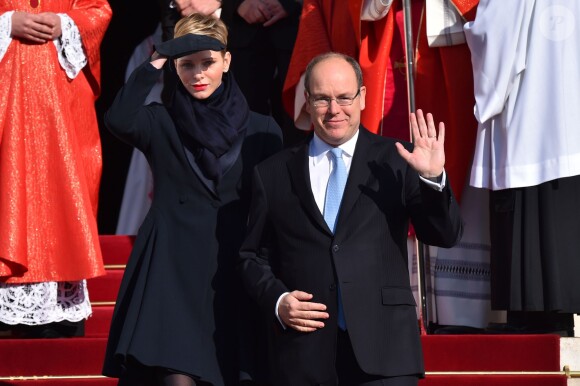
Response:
column 50, row 153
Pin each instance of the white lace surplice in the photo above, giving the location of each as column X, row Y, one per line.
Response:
column 42, row 303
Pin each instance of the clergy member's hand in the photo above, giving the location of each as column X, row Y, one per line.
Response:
column 52, row 20
column 205, row 7
column 428, row 156
column 31, row 27
column 297, row 312
column 253, row 11
column 275, row 12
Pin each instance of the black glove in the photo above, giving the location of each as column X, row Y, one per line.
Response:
column 188, row 44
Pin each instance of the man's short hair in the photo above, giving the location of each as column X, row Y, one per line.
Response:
column 328, row 55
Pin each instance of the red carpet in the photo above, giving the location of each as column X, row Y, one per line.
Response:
column 450, row 360
column 495, row 380
column 76, row 381
column 492, row 352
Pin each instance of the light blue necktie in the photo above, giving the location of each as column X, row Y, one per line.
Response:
column 334, row 191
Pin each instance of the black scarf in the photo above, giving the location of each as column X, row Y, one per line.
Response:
column 209, row 127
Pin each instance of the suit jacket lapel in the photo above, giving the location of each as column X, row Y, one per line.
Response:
column 358, row 176
column 300, row 180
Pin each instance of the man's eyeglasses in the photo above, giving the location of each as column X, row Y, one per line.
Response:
column 323, row 102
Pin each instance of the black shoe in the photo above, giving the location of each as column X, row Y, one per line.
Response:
column 64, row 329
column 508, row 328
column 458, row 330
column 505, row 328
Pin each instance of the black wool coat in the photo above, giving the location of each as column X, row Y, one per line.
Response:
column 179, row 302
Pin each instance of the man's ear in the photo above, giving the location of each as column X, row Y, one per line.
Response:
column 306, row 102
column 363, row 94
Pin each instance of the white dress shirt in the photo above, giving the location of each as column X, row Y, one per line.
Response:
column 320, row 165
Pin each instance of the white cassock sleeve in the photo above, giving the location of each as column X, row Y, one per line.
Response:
column 498, row 52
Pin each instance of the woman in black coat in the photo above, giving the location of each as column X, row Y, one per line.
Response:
column 180, row 315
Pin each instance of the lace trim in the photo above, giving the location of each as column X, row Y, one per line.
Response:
column 42, row 303
column 70, row 47
column 5, row 31
column 373, row 10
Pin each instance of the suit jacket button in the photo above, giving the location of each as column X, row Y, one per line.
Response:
column 332, row 287
column 335, row 248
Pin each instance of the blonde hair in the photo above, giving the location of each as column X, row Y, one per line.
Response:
column 199, row 24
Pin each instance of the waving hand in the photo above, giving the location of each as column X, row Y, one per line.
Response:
column 428, row 156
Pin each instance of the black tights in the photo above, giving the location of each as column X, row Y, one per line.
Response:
column 138, row 375
column 166, row 378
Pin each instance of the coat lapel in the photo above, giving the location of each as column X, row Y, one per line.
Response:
column 226, row 162
column 209, row 184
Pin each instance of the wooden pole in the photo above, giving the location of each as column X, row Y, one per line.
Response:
column 410, row 67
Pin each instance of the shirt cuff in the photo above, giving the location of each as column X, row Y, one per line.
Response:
column 276, row 310
column 437, row 183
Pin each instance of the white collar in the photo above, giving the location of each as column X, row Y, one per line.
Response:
column 318, row 148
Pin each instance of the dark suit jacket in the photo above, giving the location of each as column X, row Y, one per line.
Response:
column 290, row 247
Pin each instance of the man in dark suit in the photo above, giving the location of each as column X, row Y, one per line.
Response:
column 309, row 276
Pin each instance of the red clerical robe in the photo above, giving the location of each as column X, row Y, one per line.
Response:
column 50, row 152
